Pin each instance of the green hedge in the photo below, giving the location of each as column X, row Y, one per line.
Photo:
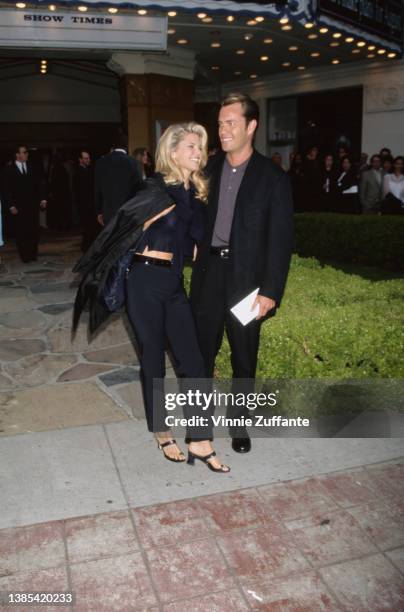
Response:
column 332, row 324
column 371, row 240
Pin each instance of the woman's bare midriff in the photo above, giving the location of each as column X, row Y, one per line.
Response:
column 156, row 254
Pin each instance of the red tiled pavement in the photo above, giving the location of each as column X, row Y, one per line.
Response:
column 303, row 592
column 293, row 500
column 45, row 581
column 330, row 540
column 303, row 546
column 115, row 584
column 97, row 536
column 165, row 524
column 367, row 585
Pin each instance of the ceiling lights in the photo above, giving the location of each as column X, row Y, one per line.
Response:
column 215, row 45
column 253, row 76
column 268, row 41
column 21, row 5
column 309, row 25
column 264, row 58
column 251, row 22
column 349, row 40
column 172, row 13
column 83, row 9
column 230, row 18
column 334, row 44
column 207, row 20
column 284, row 20
column 286, row 64
column 248, row 36
column 112, row 9
column 323, row 30
column 182, row 41
column 335, row 61
column 259, row 19
column 286, row 27
column 142, row 12
column 312, row 36
column 240, row 51
column 337, row 35
column 52, row 7
column 361, row 43
column 293, row 48
column 381, row 51
column 171, row 31
column 201, row 15
column 301, row 67
column 315, row 54
column 392, row 55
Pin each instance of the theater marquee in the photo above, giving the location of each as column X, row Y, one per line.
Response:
column 77, row 31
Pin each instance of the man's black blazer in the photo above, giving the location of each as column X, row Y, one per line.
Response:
column 261, row 237
column 117, row 179
column 22, row 191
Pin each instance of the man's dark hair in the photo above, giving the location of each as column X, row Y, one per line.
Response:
column 84, row 151
column 139, row 151
column 18, row 147
column 374, row 157
column 385, row 152
column 120, row 142
column 249, row 106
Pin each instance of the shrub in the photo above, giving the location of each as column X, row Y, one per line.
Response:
column 366, row 239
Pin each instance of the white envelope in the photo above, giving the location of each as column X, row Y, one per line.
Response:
column 353, row 189
column 242, row 310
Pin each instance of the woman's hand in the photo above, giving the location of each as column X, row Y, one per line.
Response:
column 153, row 219
column 195, row 253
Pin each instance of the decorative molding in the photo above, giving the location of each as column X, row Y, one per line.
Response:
column 385, row 97
column 175, row 62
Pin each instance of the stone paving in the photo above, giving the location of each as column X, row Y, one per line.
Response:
column 38, row 355
column 297, row 526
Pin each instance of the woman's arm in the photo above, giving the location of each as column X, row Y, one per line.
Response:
column 153, row 219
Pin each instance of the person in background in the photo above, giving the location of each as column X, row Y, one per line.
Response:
column 387, row 164
column 385, row 152
column 24, row 196
column 363, row 163
column 84, row 197
column 328, row 183
column 312, row 180
column 150, row 166
column 393, row 189
column 59, row 213
column 370, row 186
column 277, row 159
column 117, row 178
column 297, row 180
column 342, row 152
column 142, row 157
column 347, row 188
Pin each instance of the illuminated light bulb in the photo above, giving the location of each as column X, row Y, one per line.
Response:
column 381, row 51
column 323, row 30
column 335, row 61
column 391, row 55
column 52, row 7
column 253, row 76
column 230, row 18
column 251, row 22
column 21, row 5
column 240, row 51
column 268, row 41
column 264, row 58
column 215, row 45
column 171, row 31
column 315, row 54
column 215, row 67
column 182, row 41
column 286, row 27
column 356, row 50
column 238, row 72
column 301, row 67
column 113, row 10
column 371, row 48
column 371, row 55
column 207, row 20
column 350, row 39
column 248, row 36
column 284, row 20
column 334, row 44
column 286, row 64
column 172, row 13
column 259, row 19
column 309, row 25
column 83, row 9
column 142, row 12
column 361, row 43
column 293, row 48
column 201, row 15
column 312, row 36
column 337, row 35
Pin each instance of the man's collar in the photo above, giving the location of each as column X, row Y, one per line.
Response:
column 120, row 151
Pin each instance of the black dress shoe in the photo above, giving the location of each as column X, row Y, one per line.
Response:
column 241, row 445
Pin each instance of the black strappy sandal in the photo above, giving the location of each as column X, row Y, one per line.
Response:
column 223, row 469
column 161, row 446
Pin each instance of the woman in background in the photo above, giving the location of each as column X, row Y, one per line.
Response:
column 347, row 188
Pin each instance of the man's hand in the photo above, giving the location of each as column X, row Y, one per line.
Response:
column 14, row 210
column 195, row 253
column 265, row 305
column 43, row 204
column 100, row 219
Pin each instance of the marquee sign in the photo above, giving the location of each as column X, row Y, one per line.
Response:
column 381, row 17
column 78, row 31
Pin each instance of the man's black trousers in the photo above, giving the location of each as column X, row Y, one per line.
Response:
column 158, row 310
column 212, row 316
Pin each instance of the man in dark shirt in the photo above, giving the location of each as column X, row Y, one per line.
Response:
column 24, row 196
column 117, row 179
column 247, row 245
column 84, row 198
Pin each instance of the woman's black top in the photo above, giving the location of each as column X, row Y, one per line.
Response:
column 179, row 230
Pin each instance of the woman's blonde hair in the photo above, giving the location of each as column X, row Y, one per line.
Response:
column 166, row 165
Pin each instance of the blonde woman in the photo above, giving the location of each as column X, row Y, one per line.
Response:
column 149, row 238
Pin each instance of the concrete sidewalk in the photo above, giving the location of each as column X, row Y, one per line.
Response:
column 88, row 503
